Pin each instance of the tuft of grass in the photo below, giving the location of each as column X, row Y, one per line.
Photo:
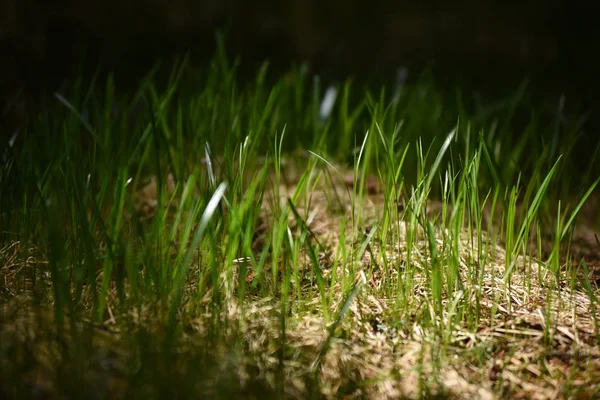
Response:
column 230, row 239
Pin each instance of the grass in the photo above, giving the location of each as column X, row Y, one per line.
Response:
column 207, row 237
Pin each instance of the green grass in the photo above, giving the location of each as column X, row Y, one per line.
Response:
column 273, row 233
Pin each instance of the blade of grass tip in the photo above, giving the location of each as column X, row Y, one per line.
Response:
column 356, row 177
column 157, row 151
column 327, row 103
column 182, row 270
column 537, row 200
column 326, row 162
column 277, row 146
column 360, row 154
column 92, row 86
column 400, row 164
column 209, row 166
column 173, row 85
column 79, row 116
column 492, row 166
column 533, row 208
column 437, row 162
column 381, row 136
column 330, row 165
column 578, row 207
column 187, row 191
column 166, row 137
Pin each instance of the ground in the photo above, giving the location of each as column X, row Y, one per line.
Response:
column 533, row 337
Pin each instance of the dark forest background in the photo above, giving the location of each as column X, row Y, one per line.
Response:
column 490, row 46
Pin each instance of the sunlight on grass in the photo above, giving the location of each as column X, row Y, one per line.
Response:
column 228, row 239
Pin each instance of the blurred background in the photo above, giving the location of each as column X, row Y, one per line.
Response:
column 490, row 46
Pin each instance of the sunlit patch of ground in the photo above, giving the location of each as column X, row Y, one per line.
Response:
column 536, row 335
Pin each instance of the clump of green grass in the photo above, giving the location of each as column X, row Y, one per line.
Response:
column 385, row 244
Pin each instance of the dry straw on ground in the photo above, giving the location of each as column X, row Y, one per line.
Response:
column 537, row 336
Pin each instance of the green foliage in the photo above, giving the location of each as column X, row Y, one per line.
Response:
column 71, row 189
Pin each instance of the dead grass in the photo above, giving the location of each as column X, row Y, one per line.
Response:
column 537, row 337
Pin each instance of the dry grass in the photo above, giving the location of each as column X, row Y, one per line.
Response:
column 537, row 337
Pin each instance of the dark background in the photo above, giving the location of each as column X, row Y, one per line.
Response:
column 488, row 45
